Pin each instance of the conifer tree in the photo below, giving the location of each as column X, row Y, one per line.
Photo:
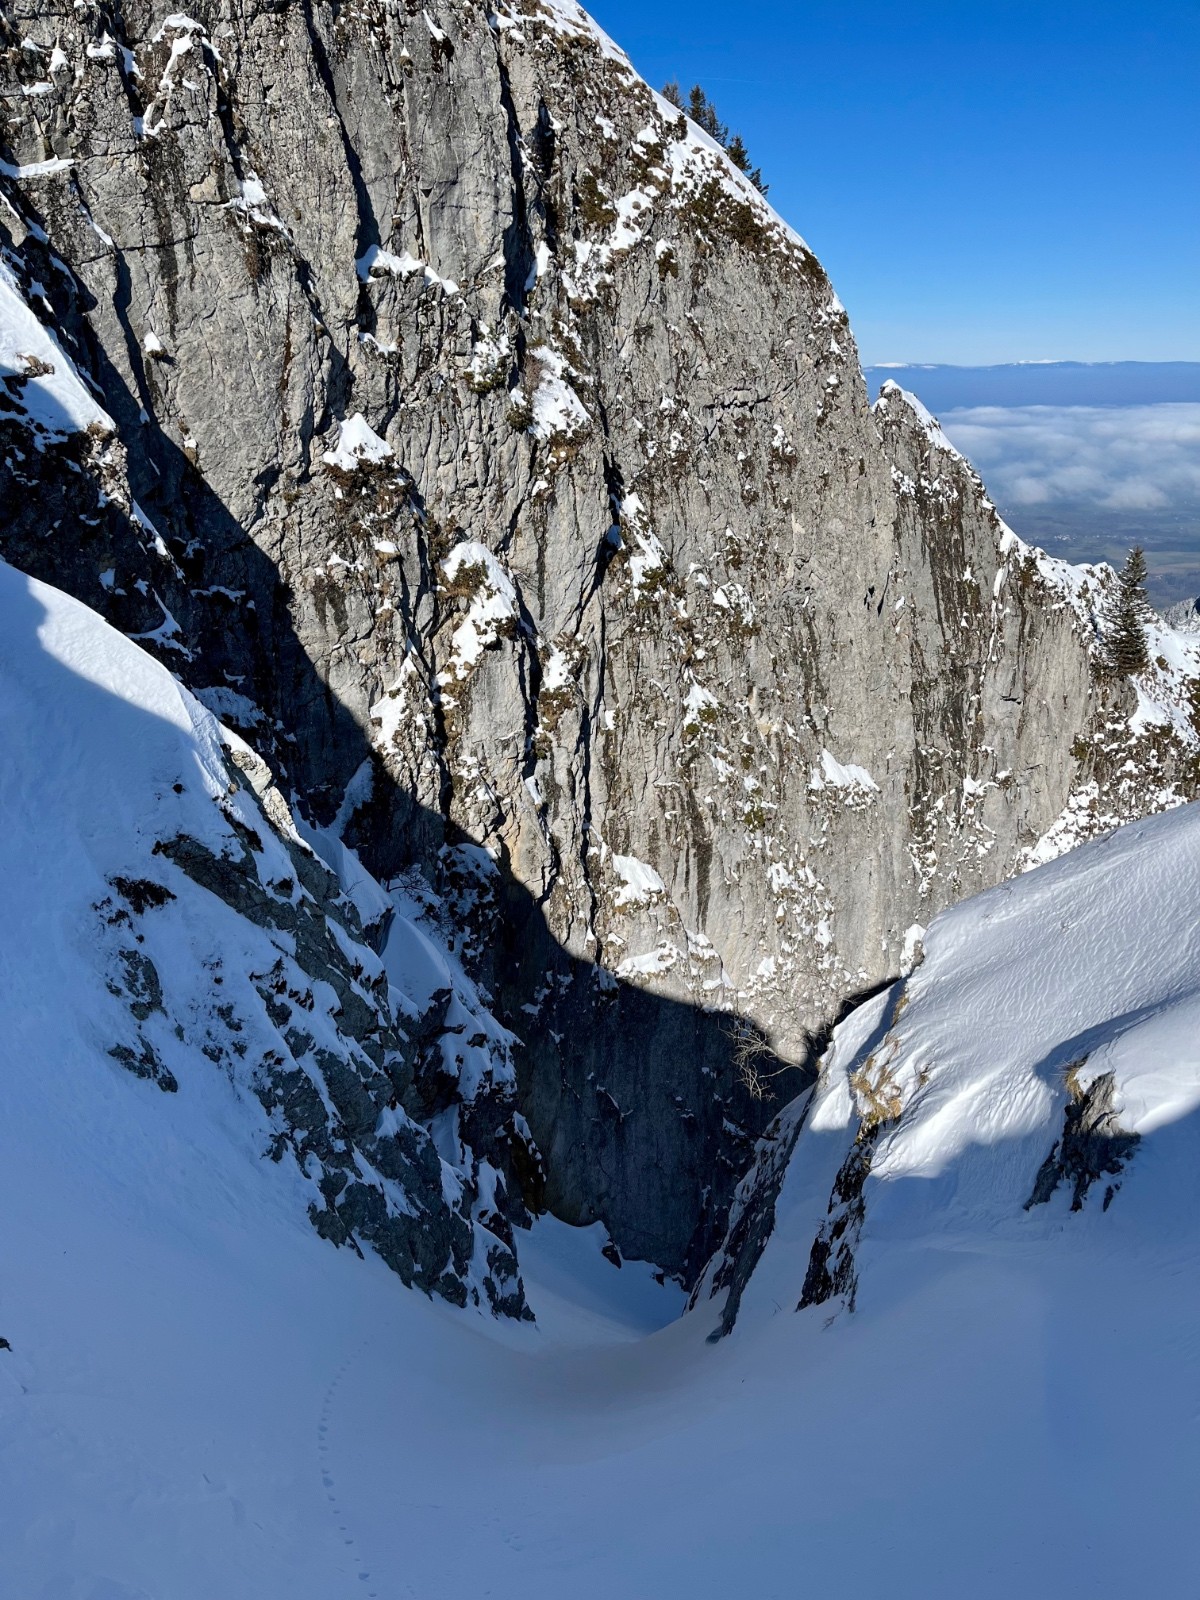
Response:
column 1124, row 649
column 740, row 156
column 704, row 114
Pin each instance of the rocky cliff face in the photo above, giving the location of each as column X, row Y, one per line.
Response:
column 479, row 444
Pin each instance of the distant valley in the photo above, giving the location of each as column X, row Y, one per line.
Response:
column 1084, row 458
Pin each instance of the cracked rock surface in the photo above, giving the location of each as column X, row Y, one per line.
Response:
column 479, row 445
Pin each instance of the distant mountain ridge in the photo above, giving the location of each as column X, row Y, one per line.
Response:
column 1045, row 383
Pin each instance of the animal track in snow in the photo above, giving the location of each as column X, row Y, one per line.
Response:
column 358, row 1568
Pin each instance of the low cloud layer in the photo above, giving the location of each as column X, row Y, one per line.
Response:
column 1121, row 458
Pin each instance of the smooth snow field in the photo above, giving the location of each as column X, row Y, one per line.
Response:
column 205, row 1401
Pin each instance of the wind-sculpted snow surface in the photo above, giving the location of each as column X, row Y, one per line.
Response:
column 201, row 1398
column 1049, row 1036
column 166, row 929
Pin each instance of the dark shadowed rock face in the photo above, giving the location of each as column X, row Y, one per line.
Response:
column 488, row 453
column 1093, row 1144
column 305, row 1023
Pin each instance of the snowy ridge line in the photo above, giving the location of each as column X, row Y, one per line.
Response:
column 565, row 16
column 1167, row 700
column 701, row 144
column 694, row 159
column 929, row 423
column 1167, row 690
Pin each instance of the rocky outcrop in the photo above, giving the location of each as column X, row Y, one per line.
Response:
column 340, row 1105
column 479, row 444
column 294, row 1004
column 1093, row 1143
column 177, row 951
column 1183, row 616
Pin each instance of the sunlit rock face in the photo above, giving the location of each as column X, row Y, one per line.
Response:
column 468, row 434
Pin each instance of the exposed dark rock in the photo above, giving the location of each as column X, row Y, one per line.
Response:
column 1093, row 1144
column 636, row 582
column 752, row 1219
column 831, row 1265
column 144, row 1063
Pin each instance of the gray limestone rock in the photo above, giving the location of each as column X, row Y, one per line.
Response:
column 492, row 457
column 1184, row 616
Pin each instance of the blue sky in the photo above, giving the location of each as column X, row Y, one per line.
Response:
column 984, row 181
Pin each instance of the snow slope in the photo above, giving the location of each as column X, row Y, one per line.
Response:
column 1080, row 978
column 167, row 929
column 1019, row 1302
column 203, row 1398
column 39, row 379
